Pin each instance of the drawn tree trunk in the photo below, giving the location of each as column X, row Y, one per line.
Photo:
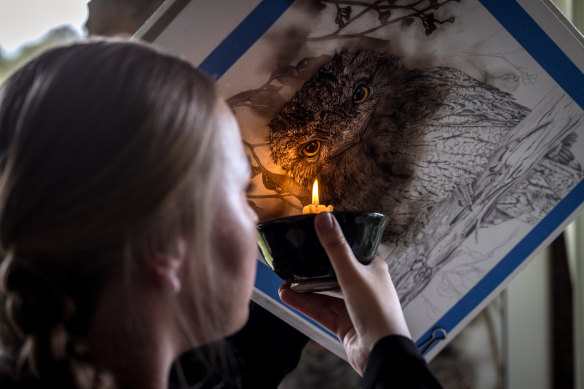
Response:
column 450, row 222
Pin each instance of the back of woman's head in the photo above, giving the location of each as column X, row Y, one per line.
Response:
column 99, row 144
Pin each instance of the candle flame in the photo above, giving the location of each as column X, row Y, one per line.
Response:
column 315, row 207
column 315, row 193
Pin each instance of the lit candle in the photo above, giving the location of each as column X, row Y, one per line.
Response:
column 315, row 207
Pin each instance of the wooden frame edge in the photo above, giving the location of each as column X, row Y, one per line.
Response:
column 159, row 20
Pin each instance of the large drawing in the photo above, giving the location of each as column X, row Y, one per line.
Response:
column 418, row 143
column 439, row 113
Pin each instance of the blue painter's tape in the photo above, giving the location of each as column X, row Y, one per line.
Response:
column 268, row 282
column 539, row 45
column 550, row 57
column 243, row 37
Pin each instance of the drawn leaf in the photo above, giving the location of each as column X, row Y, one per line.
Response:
column 319, row 5
column 283, row 184
column 267, row 104
column 241, row 98
column 269, row 183
column 343, row 16
column 308, row 66
column 285, row 73
column 384, row 16
column 407, row 22
column 255, row 170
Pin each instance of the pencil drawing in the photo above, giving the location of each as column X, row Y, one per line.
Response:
column 382, row 137
column 444, row 154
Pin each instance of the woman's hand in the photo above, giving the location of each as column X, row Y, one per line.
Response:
column 370, row 309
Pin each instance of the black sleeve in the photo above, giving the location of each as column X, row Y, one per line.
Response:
column 263, row 351
column 396, row 362
column 268, row 349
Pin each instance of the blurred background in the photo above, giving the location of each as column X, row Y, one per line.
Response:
column 28, row 27
column 532, row 336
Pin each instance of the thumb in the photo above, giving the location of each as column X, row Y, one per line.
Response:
column 334, row 243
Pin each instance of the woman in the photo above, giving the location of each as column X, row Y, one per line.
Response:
column 125, row 233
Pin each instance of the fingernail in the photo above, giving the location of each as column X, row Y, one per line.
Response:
column 324, row 221
column 282, row 290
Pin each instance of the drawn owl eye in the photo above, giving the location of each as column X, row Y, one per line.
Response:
column 360, row 94
column 311, row 148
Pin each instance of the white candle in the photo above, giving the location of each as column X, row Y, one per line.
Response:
column 315, row 207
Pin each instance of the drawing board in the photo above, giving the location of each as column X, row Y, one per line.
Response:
column 460, row 120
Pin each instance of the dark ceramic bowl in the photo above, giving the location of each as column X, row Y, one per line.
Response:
column 291, row 247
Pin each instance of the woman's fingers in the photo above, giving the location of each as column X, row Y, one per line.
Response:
column 370, row 309
column 333, row 241
column 370, row 296
column 321, row 308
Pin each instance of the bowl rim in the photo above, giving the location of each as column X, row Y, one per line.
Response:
column 290, row 219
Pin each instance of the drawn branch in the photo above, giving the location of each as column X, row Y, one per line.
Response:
column 267, row 100
column 280, row 184
column 450, row 222
column 524, row 75
column 387, row 12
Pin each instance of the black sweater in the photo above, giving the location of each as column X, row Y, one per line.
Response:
column 267, row 349
column 395, row 362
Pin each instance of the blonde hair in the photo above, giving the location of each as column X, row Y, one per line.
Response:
column 106, row 148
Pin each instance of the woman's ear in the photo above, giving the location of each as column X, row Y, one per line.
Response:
column 166, row 265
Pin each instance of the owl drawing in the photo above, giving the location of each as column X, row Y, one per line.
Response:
column 382, row 137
